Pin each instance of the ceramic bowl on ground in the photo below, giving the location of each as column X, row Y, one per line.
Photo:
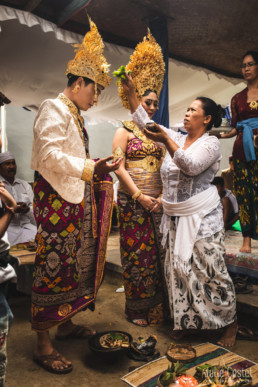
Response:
column 109, row 354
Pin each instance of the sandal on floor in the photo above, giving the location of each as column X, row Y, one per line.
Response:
column 246, row 333
column 178, row 335
column 141, row 322
column 242, row 286
column 78, row 332
column 46, row 362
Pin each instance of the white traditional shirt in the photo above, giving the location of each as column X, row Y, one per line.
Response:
column 22, row 227
column 58, row 152
column 189, row 172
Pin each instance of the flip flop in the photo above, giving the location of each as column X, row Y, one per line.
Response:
column 140, row 322
column 242, row 286
column 78, row 332
column 46, row 362
column 246, row 333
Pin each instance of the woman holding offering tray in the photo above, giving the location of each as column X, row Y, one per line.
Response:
column 201, row 293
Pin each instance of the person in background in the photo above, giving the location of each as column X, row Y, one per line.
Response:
column 201, row 292
column 244, row 110
column 22, row 227
column 228, row 175
column 8, row 208
column 73, row 198
column 139, row 192
column 229, row 203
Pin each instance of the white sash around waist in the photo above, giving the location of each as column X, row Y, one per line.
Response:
column 190, row 212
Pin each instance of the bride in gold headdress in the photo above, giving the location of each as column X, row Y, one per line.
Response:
column 72, row 237
column 139, row 192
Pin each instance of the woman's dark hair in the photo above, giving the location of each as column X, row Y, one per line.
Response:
column 218, row 180
column 211, row 109
column 254, row 54
column 73, row 78
column 148, row 91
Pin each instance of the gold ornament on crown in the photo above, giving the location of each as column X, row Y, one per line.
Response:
column 89, row 60
column 147, row 68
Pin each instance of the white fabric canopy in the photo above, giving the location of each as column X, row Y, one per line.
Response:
column 34, row 54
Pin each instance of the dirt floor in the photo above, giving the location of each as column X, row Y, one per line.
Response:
column 89, row 370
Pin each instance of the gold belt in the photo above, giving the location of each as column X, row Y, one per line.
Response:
column 149, row 163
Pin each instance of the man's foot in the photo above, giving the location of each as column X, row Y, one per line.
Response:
column 246, row 248
column 68, row 330
column 53, row 362
column 228, row 338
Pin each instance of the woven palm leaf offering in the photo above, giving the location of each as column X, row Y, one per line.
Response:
column 175, row 376
column 181, row 352
column 221, row 376
column 120, row 74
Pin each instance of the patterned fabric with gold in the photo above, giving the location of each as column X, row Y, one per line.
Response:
column 142, row 256
column 70, row 254
column 143, row 161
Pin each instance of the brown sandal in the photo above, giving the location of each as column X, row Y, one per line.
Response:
column 46, row 362
column 78, row 332
column 140, row 322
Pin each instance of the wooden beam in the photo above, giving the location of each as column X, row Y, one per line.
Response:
column 31, row 5
column 70, row 10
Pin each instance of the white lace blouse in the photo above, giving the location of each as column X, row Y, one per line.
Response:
column 189, row 172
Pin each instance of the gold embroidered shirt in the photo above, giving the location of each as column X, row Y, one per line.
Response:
column 58, row 152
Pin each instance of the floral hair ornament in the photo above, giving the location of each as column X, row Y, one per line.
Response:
column 147, row 68
column 89, row 60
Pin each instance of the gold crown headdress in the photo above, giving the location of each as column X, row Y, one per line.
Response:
column 89, row 60
column 147, row 68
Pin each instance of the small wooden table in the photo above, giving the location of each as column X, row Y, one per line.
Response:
column 26, row 257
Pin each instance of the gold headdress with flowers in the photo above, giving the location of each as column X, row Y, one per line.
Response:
column 89, row 60
column 147, row 68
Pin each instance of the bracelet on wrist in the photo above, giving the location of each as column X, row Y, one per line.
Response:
column 136, row 195
column 11, row 209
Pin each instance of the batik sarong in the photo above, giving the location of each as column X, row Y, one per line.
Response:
column 71, row 251
column 246, row 189
column 204, row 299
column 142, row 256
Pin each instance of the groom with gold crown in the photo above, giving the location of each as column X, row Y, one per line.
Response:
column 73, row 197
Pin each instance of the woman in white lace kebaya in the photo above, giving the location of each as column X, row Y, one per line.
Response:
column 200, row 290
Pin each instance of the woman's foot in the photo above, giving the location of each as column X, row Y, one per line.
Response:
column 228, row 338
column 141, row 322
column 246, row 248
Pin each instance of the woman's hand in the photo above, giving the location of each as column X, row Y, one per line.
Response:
column 157, row 207
column 103, row 166
column 218, row 135
column 128, row 84
column 147, row 202
column 158, row 134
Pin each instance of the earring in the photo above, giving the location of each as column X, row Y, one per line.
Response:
column 76, row 89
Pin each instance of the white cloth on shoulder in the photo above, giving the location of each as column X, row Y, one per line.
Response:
column 190, row 212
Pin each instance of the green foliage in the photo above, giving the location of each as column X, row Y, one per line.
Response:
column 173, row 371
